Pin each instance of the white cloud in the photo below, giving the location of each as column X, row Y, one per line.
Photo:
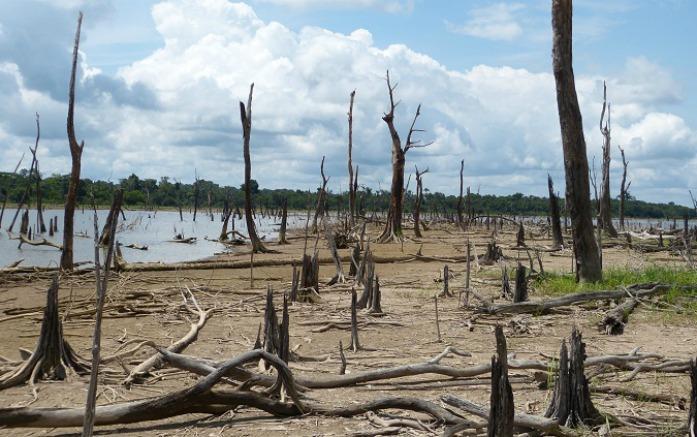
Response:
column 502, row 121
column 391, row 6
column 495, row 22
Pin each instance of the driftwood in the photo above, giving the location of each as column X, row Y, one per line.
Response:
column 156, row 360
column 543, row 307
column 38, row 242
column 614, row 321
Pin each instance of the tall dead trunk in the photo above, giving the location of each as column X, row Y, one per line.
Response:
column 460, row 221
column 284, row 222
column 246, row 117
column 393, row 226
column 555, row 216
column 605, row 211
column 352, row 182
column 39, row 207
column 76, row 156
column 417, row 201
column 588, row 263
column 196, row 189
column 624, row 187
column 502, row 409
column 321, row 199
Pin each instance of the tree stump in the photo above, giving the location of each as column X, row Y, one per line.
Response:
column 355, row 344
column 571, row 403
column 520, row 236
column 521, row 284
column 53, row 357
column 502, row 412
column 492, row 255
column 505, row 283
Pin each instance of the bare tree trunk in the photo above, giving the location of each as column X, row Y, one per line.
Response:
column 502, row 409
column 624, row 187
column 605, row 211
column 321, row 198
column 76, row 156
column 460, row 220
column 284, row 222
column 352, row 182
column 246, row 116
column 195, row 194
column 555, row 217
column 575, row 161
column 418, row 200
column 102, row 280
column 393, row 227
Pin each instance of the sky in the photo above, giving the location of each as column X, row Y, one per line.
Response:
column 160, row 81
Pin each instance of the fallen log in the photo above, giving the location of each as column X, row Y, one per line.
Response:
column 37, row 242
column 643, row 290
column 614, row 320
column 520, row 420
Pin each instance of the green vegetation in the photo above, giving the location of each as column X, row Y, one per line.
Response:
column 170, row 193
column 615, row 278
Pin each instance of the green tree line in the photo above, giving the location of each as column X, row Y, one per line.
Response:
column 169, row 193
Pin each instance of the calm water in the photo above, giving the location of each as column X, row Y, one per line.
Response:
column 144, row 228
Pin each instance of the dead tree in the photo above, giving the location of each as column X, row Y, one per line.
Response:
column 321, row 198
column 505, row 283
column 352, row 182
column 284, row 222
column 368, row 281
column 624, row 187
column 223, row 231
column 605, row 212
column 37, row 179
column 355, row 344
column 246, row 118
column 196, row 193
column 112, row 217
column 446, row 283
column 417, row 201
column 53, row 357
column 521, row 284
column 502, row 409
column 338, row 277
column 76, row 156
column 393, row 225
column 588, row 264
column 460, row 221
column 692, row 419
column 555, row 216
column 102, row 281
column 520, row 236
column 616, row 319
column 571, row 403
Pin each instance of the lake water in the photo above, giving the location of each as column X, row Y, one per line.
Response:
column 144, row 228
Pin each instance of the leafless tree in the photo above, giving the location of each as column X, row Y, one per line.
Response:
column 246, row 118
column 353, row 183
column 554, row 214
column 321, row 198
column 76, row 156
column 393, row 226
column 460, row 221
column 418, row 199
column 589, row 267
column 624, row 187
column 605, row 212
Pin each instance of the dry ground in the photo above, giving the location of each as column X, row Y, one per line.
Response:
column 407, row 292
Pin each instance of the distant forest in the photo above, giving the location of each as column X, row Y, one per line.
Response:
column 150, row 193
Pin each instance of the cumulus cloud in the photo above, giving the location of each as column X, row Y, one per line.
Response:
column 392, row 6
column 495, row 22
column 502, row 121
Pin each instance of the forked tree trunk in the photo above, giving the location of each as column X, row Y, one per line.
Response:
column 555, row 216
column 321, row 199
column 605, row 210
column 588, row 262
column 393, row 226
column 246, row 117
column 76, row 156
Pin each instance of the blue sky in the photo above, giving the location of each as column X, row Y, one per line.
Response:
column 160, row 80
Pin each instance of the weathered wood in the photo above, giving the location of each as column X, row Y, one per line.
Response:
column 502, row 409
column 605, row 212
column 555, row 217
column 692, row 418
column 66, row 261
column 521, row 284
column 624, row 187
column 572, row 299
column 614, row 321
column 246, row 118
column 588, row 264
column 355, row 344
column 571, row 403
